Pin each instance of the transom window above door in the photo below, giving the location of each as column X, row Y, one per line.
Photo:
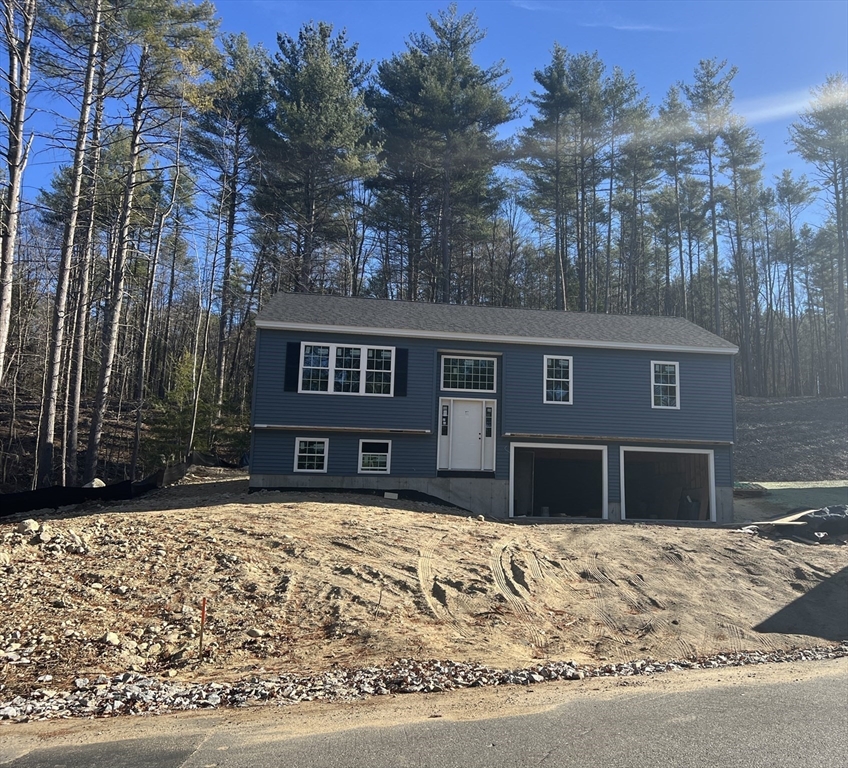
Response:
column 468, row 374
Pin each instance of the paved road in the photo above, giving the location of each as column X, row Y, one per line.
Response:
column 793, row 724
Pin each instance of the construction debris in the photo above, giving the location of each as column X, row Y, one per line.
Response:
column 825, row 525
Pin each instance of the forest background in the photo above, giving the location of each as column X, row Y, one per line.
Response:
column 200, row 174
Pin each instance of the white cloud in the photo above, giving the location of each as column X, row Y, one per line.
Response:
column 532, row 5
column 625, row 27
column 779, row 106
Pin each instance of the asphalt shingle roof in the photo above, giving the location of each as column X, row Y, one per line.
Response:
column 302, row 310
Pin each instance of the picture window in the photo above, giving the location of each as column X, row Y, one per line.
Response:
column 343, row 366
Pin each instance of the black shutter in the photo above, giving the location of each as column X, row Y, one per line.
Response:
column 401, row 365
column 292, row 366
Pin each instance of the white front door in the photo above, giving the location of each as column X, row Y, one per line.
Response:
column 467, row 437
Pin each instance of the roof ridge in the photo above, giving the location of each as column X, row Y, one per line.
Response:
column 486, row 323
column 542, row 310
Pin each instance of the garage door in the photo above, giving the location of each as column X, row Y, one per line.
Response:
column 667, row 484
column 550, row 480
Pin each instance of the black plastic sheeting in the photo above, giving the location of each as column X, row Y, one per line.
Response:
column 830, row 520
column 63, row 496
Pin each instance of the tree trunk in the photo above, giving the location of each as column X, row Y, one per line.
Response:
column 44, row 461
column 445, row 232
column 115, row 304
column 841, row 208
column 19, row 49
column 226, row 289
column 714, row 227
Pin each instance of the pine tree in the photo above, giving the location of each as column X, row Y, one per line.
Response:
column 544, row 152
column 231, row 103
column 447, row 109
column 169, row 41
column 821, row 138
column 676, row 160
column 710, row 99
column 314, row 142
column 18, row 27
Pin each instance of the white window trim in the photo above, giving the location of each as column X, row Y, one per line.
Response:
column 326, row 441
column 677, row 386
column 494, row 360
column 638, row 449
column 332, row 369
column 387, row 470
column 570, row 359
column 563, row 446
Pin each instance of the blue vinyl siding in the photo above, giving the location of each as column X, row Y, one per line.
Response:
column 612, row 396
column 613, row 474
column 273, row 453
column 611, row 399
column 274, row 406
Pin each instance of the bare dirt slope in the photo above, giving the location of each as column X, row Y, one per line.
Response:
column 791, row 438
column 303, row 582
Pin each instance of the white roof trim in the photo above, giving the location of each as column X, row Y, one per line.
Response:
column 409, row 333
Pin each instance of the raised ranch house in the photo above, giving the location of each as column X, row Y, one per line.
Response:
column 504, row 412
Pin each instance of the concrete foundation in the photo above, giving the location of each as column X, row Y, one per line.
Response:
column 482, row 496
column 724, row 505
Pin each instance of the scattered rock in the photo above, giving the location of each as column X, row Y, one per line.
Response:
column 130, row 693
column 254, row 632
column 112, row 638
column 29, row 527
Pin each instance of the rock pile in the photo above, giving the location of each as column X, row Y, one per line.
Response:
column 130, row 693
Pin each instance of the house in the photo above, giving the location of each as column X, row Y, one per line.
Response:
column 504, row 412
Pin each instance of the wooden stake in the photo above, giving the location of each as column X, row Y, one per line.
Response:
column 202, row 626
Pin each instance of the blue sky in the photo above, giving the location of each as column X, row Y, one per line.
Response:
column 782, row 49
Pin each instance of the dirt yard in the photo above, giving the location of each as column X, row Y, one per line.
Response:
column 304, row 582
column 785, row 439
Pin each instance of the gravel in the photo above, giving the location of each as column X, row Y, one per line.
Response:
column 134, row 694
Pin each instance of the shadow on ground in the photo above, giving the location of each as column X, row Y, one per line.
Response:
column 822, row 612
column 780, row 500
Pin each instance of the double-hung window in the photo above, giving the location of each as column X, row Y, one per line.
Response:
column 468, row 374
column 310, row 454
column 558, row 379
column 345, row 369
column 375, row 457
column 665, row 384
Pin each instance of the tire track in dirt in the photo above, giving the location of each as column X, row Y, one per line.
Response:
column 604, row 627
column 434, row 593
column 729, row 637
column 516, row 596
column 686, row 649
